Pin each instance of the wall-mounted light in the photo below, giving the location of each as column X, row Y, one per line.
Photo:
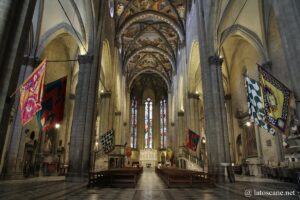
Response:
column 197, row 92
column 57, row 126
column 248, row 123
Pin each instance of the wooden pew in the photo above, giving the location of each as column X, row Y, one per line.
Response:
column 123, row 177
column 183, row 178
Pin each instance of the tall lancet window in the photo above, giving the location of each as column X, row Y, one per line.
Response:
column 163, row 124
column 148, row 123
column 133, row 123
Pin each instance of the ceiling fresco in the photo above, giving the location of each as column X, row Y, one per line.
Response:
column 149, row 33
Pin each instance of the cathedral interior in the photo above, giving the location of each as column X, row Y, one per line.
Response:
column 155, row 96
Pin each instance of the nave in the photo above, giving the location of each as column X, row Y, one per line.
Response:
column 150, row 186
column 91, row 87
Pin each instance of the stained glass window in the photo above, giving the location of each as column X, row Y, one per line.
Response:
column 133, row 123
column 163, row 123
column 148, row 123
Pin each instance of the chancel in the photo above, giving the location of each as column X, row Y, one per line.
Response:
column 171, row 99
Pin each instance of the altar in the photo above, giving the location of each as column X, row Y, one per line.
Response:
column 148, row 157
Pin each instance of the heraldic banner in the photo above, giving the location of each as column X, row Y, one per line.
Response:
column 255, row 104
column 31, row 93
column 192, row 140
column 276, row 97
column 53, row 104
column 107, row 141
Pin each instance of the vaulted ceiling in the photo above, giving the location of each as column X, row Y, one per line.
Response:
column 149, row 33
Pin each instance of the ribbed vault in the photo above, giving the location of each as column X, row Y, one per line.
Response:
column 149, row 33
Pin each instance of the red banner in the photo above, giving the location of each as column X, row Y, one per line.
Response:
column 192, row 140
column 31, row 93
column 53, row 104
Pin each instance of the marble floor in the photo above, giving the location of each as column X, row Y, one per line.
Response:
column 149, row 187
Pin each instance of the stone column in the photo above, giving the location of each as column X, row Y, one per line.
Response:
column 193, row 110
column 15, row 24
column 170, row 131
column 181, row 132
column 105, row 112
column 258, row 144
column 127, row 120
column 156, row 126
column 81, row 127
column 287, row 15
column 118, row 128
column 220, row 134
column 141, row 125
column 16, row 143
column 4, row 16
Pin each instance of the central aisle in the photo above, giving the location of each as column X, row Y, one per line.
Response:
column 149, row 180
column 150, row 186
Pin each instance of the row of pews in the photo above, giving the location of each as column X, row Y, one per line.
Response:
column 123, row 177
column 174, row 177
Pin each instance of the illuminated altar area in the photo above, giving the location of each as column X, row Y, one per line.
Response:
column 148, row 156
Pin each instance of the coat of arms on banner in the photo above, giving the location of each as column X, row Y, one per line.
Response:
column 107, row 141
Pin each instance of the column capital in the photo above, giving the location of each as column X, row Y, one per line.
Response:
column 85, row 59
column 215, row 60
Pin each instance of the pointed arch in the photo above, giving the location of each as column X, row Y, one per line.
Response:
column 52, row 33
